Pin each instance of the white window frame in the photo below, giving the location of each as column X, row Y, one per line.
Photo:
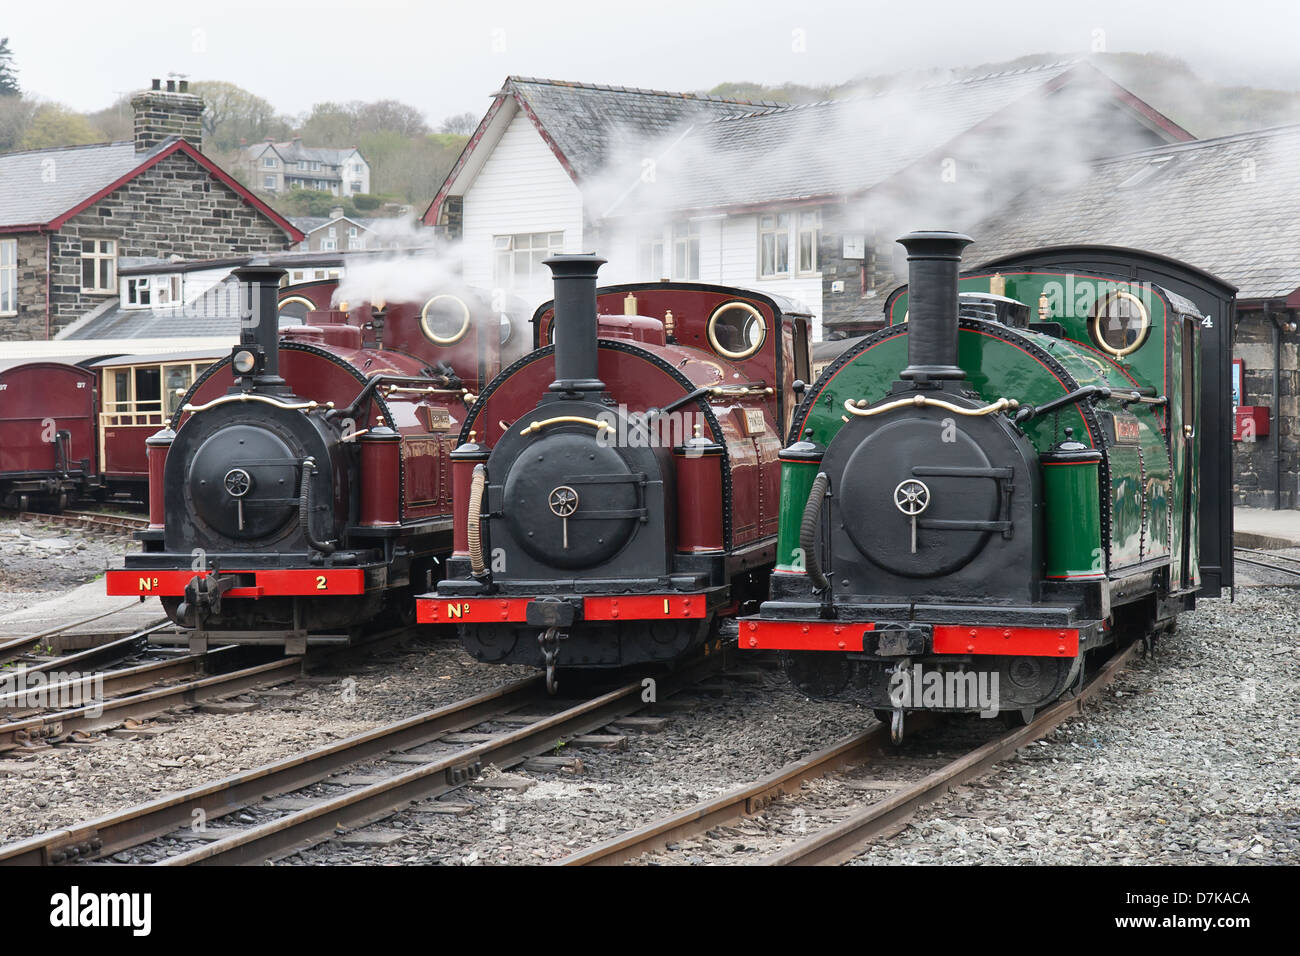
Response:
column 650, row 257
column 103, row 259
column 169, row 290
column 328, row 245
column 808, row 222
column 268, row 162
column 137, row 292
column 527, row 247
column 772, row 229
column 8, row 276
column 352, row 232
column 686, row 250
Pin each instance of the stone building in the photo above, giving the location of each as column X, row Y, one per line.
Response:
column 68, row 215
column 1229, row 206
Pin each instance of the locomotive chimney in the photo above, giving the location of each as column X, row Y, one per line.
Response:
column 574, row 322
column 260, row 324
column 933, row 259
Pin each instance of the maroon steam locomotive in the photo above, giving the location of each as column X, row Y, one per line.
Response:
column 302, row 487
column 616, row 490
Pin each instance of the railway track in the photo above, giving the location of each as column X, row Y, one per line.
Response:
column 88, row 520
column 298, row 802
column 19, row 647
column 95, row 701
column 1294, row 571
column 842, row 840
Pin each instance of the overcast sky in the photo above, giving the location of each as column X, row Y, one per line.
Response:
column 447, row 57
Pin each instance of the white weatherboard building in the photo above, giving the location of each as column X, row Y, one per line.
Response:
column 797, row 201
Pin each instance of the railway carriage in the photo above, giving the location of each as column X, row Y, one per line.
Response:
column 75, row 428
column 1007, row 476
column 617, row 488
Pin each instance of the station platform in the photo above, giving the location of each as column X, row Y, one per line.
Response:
column 129, row 616
column 1265, row 528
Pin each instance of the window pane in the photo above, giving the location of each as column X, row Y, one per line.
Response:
column 87, row 273
column 805, row 252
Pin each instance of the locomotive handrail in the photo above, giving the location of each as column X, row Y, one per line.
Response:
column 917, row 401
column 465, row 394
column 244, row 397
column 562, row 419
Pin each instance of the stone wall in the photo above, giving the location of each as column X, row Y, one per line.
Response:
column 29, row 323
column 174, row 208
column 159, row 114
column 1253, row 467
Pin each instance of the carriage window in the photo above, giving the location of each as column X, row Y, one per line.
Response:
column 445, row 319
column 1121, row 323
column 737, row 330
column 178, row 379
column 148, row 389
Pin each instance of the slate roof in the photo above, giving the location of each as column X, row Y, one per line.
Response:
column 214, row 314
column 589, row 122
column 1230, row 206
column 837, row 147
column 309, row 224
column 38, row 185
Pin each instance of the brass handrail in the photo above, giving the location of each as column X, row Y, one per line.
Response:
column 561, row 419
column 918, row 401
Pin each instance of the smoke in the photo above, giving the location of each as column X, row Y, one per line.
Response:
column 947, row 155
column 404, row 275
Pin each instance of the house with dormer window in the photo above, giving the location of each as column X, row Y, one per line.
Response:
column 69, row 216
column 800, row 201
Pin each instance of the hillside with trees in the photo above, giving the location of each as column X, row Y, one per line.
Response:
column 409, row 157
column 1201, row 106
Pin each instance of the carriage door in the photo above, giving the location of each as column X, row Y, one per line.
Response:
column 1191, row 440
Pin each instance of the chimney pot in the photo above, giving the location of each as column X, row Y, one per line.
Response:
column 157, row 84
column 933, row 265
column 171, row 86
column 185, row 86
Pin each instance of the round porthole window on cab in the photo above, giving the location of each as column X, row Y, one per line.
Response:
column 296, row 307
column 737, row 330
column 1121, row 323
column 445, row 319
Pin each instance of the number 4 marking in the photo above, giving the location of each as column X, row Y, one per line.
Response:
column 1207, row 322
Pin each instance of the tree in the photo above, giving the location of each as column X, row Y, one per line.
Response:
column 16, row 114
column 8, row 74
column 115, row 123
column 232, row 114
column 461, row 123
column 55, row 125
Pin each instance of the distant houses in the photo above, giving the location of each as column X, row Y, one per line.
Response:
column 280, row 167
column 339, row 233
column 69, row 216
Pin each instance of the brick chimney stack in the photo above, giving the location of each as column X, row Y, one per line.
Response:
column 161, row 113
